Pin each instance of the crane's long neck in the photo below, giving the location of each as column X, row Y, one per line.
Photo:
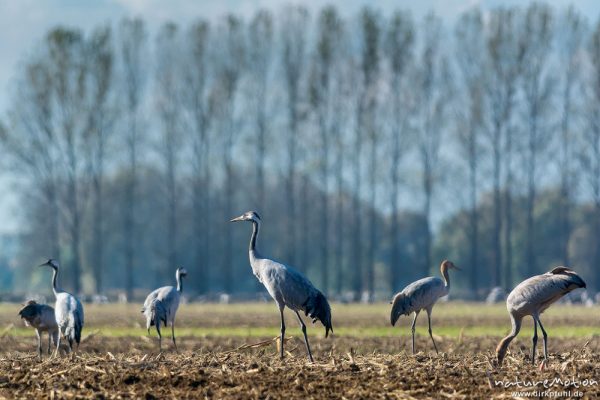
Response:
column 445, row 275
column 179, row 283
column 255, row 227
column 503, row 345
column 55, row 288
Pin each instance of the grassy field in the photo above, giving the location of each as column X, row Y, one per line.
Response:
column 357, row 320
column 230, row 351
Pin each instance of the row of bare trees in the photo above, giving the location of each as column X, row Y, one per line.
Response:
column 353, row 137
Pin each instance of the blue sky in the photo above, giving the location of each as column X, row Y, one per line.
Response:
column 23, row 24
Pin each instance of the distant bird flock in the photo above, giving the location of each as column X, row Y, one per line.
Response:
column 290, row 288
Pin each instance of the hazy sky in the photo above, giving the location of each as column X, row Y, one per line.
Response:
column 23, row 23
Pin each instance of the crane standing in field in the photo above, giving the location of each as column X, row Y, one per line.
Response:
column 287, row 287
column 41, row 317
column 161, row 306
column 421, row 295
column 68, row 311
column 532, row 297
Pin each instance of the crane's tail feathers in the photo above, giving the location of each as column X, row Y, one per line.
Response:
column 73, row 330
column 155, row 314
column 399, row 305
column 317, row 308
column 575, row 279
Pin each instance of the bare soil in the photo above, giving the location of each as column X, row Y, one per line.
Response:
column 235, row 368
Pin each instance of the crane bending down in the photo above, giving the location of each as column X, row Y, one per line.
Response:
column 41, row 317
column 532, row 297
column 68, row 311
column 287, row 287
column 421, row 295
column 161, row 306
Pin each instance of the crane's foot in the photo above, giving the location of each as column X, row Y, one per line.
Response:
column 543, row 365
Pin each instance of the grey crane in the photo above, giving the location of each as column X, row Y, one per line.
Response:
column 67, row 309
column 532, row 297
column 287, row 287
column 42, row 318
column 421, row 295
column 161, row 306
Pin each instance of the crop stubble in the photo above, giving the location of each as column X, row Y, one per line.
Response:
column 220, row 367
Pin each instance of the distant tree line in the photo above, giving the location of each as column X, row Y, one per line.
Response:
column 348, row 136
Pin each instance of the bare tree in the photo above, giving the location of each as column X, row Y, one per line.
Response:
column 570, row 46
column 259, row 66
column 371, row 31
column 68, row 66
column 293, row 31
column 197, row 105
column 101, row 119
column 231, row 65
column 168, row 102
column 365, row 122
column 536, row 40
column 399, row 48
column 433, row 93
column 470, row 116
column 590, row 152
column 504, row 63
column 132, row 44
column 321, row 100
column 30, row 146
column 341, row 111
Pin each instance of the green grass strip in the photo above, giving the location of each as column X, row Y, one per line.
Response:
column 358, row 332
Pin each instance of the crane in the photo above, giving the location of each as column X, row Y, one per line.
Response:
column 532, row 297
column 41, row 317
column 287, row 286
column 67, row 309
column 161, row 306
column 421, row 295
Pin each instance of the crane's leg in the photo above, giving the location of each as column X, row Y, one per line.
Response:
column 412, row 328
column 303, row 326
column 173, row 335
column 534, row 339
column 157, row 324
column 430, row 334
column 39, row 340
column 281, row 307
column 57, row 344
column 545, row 335
column 50, row 334
column 55, row 336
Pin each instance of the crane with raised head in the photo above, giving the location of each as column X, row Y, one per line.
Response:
column 161, row 306
column 532, row 297
column 421, row 295
column 287, row 286
column 42, row 318
column 67, row 309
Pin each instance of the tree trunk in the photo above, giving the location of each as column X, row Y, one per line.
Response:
column 508, row 217
column 474, row 215
column 496, row 246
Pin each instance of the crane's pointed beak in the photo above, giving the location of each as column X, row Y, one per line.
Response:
column 237, row 219
column 455, row 267
column 43, row 265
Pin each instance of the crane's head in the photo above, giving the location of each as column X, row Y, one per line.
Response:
column 247, row 216
column 29, row 310
column 50, row 263
column 399, row 307
column 446, row 265
column 181, row 272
